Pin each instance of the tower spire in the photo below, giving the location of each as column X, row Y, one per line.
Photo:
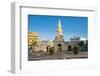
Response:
column 59, row 29
column 59, row 24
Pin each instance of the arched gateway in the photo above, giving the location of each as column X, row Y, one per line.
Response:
column 59, row 47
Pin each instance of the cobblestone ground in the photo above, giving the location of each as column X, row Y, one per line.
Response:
column 56, row 55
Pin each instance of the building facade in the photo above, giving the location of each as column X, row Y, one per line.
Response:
column 43, row 45
column 32, row 37
column 33, row 40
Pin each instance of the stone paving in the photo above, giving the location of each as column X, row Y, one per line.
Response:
column 56, row 55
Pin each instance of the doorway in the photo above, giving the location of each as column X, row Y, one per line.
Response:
column 59, row 47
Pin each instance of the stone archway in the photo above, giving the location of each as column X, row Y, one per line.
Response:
column 69, row 48
column 59, row 47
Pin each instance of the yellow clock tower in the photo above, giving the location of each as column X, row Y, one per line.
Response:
column 59, row 39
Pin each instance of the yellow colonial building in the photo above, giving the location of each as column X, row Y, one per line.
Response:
column 33, row 38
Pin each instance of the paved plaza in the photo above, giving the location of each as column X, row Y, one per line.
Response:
column 56, row 55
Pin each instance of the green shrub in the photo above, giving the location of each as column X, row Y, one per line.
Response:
column 51, row 50
column 75, row 50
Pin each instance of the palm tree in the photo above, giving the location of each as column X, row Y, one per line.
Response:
column 34, row 45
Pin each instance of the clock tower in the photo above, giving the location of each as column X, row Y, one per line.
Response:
column 59, row 39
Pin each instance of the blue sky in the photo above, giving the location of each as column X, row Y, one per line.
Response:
column 46, row 26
